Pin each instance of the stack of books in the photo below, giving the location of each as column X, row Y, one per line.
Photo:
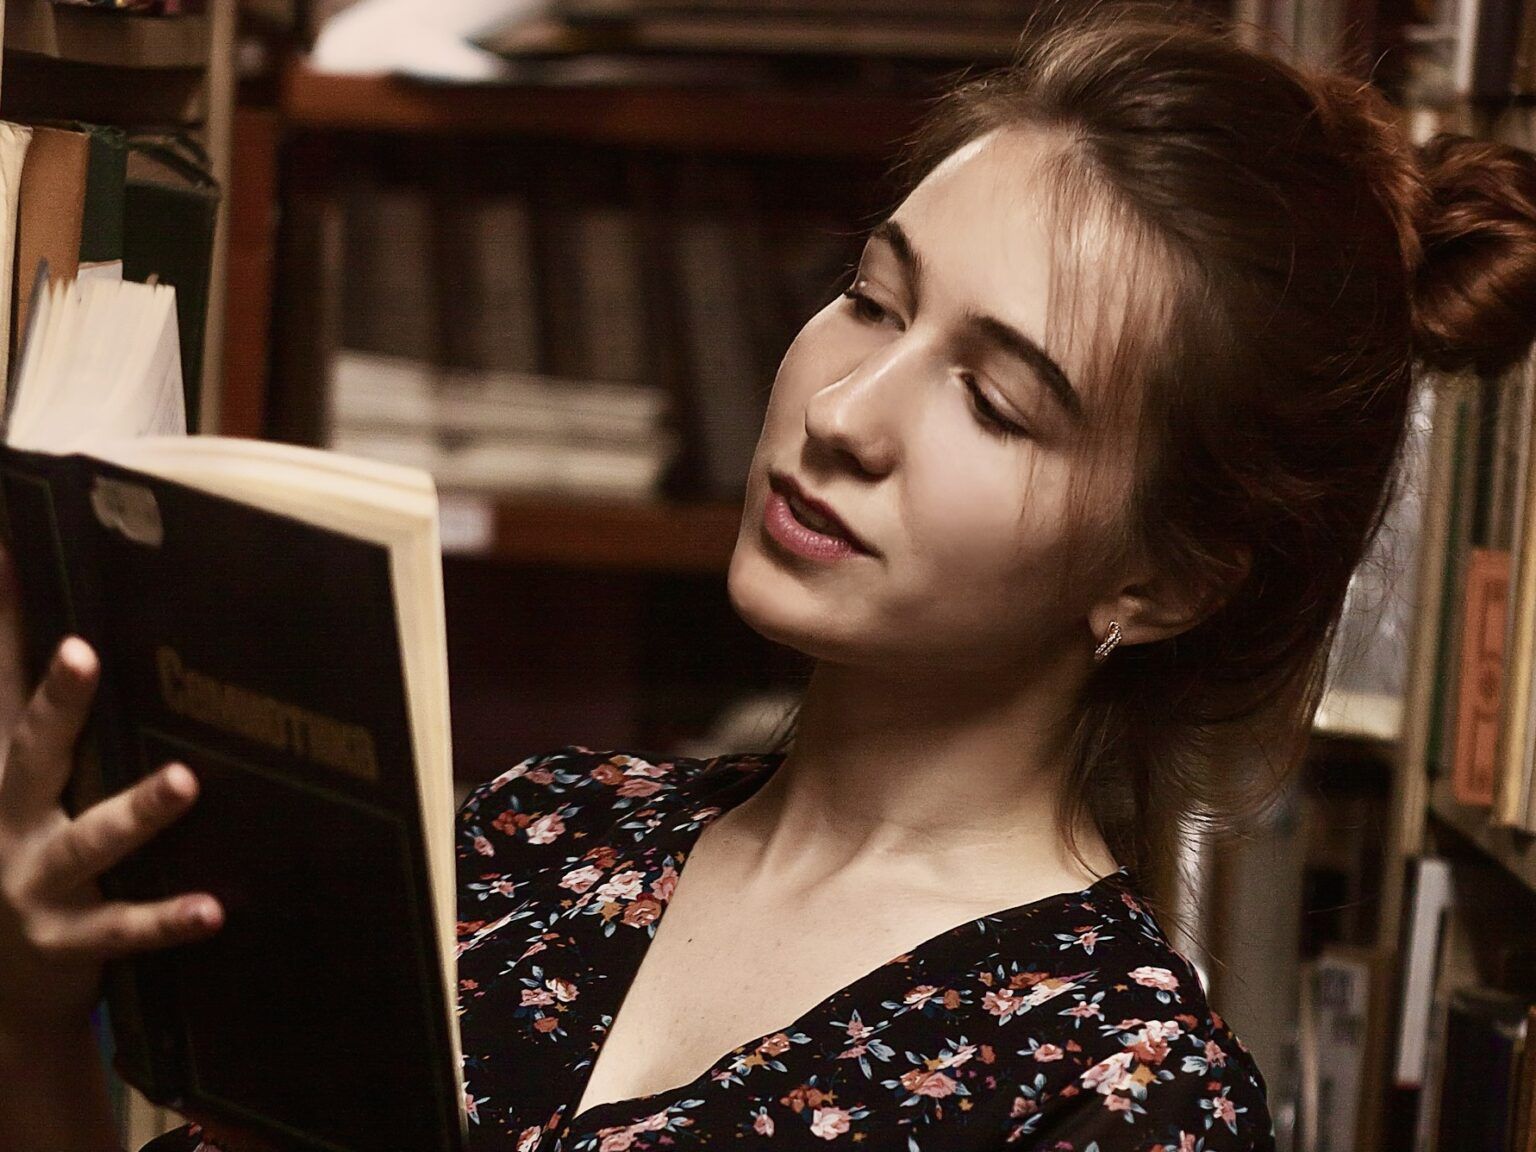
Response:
column 564, row 335
column 94, row 201
column 481, row 430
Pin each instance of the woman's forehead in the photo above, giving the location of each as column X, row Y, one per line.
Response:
column 1004, row 226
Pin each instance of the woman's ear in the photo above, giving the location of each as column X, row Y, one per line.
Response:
column 1151, row 606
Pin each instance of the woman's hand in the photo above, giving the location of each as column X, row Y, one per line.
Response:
column 55, row 929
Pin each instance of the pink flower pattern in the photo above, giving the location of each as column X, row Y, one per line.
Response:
column 1068, row 1024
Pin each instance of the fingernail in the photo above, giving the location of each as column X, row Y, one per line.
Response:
column 177, row 781
column 203, row 913
column 76, row 655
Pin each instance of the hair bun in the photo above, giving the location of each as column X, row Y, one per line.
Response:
column 1475, row 290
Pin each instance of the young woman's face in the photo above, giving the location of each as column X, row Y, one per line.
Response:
column 928, row 411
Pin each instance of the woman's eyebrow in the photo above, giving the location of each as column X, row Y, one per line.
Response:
column 895, row 237
column 989, row 329
column 1012, row 342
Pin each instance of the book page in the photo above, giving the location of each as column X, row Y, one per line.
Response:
column 101, row 361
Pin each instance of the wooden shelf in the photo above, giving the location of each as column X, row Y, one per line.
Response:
column 1514, row 850
column 633, row 536
column 1359, row 716
column 114, row 39
column 771, row 121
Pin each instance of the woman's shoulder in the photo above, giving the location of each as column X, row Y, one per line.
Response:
column 1119, row 1045
column 570, row 806
column 541, row 833
column 572, row 791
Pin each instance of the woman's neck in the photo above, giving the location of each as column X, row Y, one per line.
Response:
column 891, row 780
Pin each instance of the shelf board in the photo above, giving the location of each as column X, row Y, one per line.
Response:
column 1513, row 849
column 634, row 536
column 772, row 121
column 1367, row 716
column 111, row 38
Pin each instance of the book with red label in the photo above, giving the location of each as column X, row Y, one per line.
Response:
column 1481, row 684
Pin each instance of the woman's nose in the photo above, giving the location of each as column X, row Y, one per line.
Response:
column 860, row 415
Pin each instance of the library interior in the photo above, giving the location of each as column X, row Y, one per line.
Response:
column 550, row 253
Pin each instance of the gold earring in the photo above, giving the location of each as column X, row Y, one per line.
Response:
column 1104, row 649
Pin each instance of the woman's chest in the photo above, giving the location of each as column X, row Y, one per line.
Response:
column 586, row 1031
column 723, row 974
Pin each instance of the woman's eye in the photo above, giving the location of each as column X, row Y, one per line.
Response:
column 988, row 414
column 864, row 307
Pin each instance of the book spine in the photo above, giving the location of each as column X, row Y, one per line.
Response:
column 46, row 529
column 1481, row 682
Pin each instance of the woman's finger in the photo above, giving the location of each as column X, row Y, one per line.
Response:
column 42, row 746
column 119, row 928
column 109, row 830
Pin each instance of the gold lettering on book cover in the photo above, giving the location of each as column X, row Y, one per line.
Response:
column 302, row 733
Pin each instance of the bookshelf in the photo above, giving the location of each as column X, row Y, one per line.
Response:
column 593, row 535
column 109, row 67
column 1510, row 848
column 88, row 36
column 130, row 70
column 1473, row 465
column 806, row 122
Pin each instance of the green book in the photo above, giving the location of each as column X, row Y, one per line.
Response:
column 101, row 233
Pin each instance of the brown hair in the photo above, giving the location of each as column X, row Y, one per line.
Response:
column 1312, row 257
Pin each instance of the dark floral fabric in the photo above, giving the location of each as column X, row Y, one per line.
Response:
column 1067, row 1024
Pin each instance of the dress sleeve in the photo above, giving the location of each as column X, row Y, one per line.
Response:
column 544, row 813
column 1165, row 1090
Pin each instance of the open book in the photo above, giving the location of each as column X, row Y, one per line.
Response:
column 271, row 616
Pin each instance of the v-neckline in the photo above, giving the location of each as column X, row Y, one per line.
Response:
column 685, row 837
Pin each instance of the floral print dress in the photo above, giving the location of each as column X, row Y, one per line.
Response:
column 1067, row 1024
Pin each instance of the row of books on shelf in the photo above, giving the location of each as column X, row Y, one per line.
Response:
column 1462, row 1065
column 568, row 338
column 140, row 7
column 96, row 201
column 1448, row 53
column 1465, row 1056
column 1479, row 611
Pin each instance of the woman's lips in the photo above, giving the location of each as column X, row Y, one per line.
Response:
column 783, row 526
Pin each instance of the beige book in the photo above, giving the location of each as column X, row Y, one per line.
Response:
column 1517, row 735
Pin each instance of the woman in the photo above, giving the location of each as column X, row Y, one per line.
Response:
column 1062, row 495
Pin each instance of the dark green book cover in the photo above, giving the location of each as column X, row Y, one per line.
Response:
column 101, row 232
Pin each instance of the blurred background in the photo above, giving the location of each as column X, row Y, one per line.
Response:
column 552, row 250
